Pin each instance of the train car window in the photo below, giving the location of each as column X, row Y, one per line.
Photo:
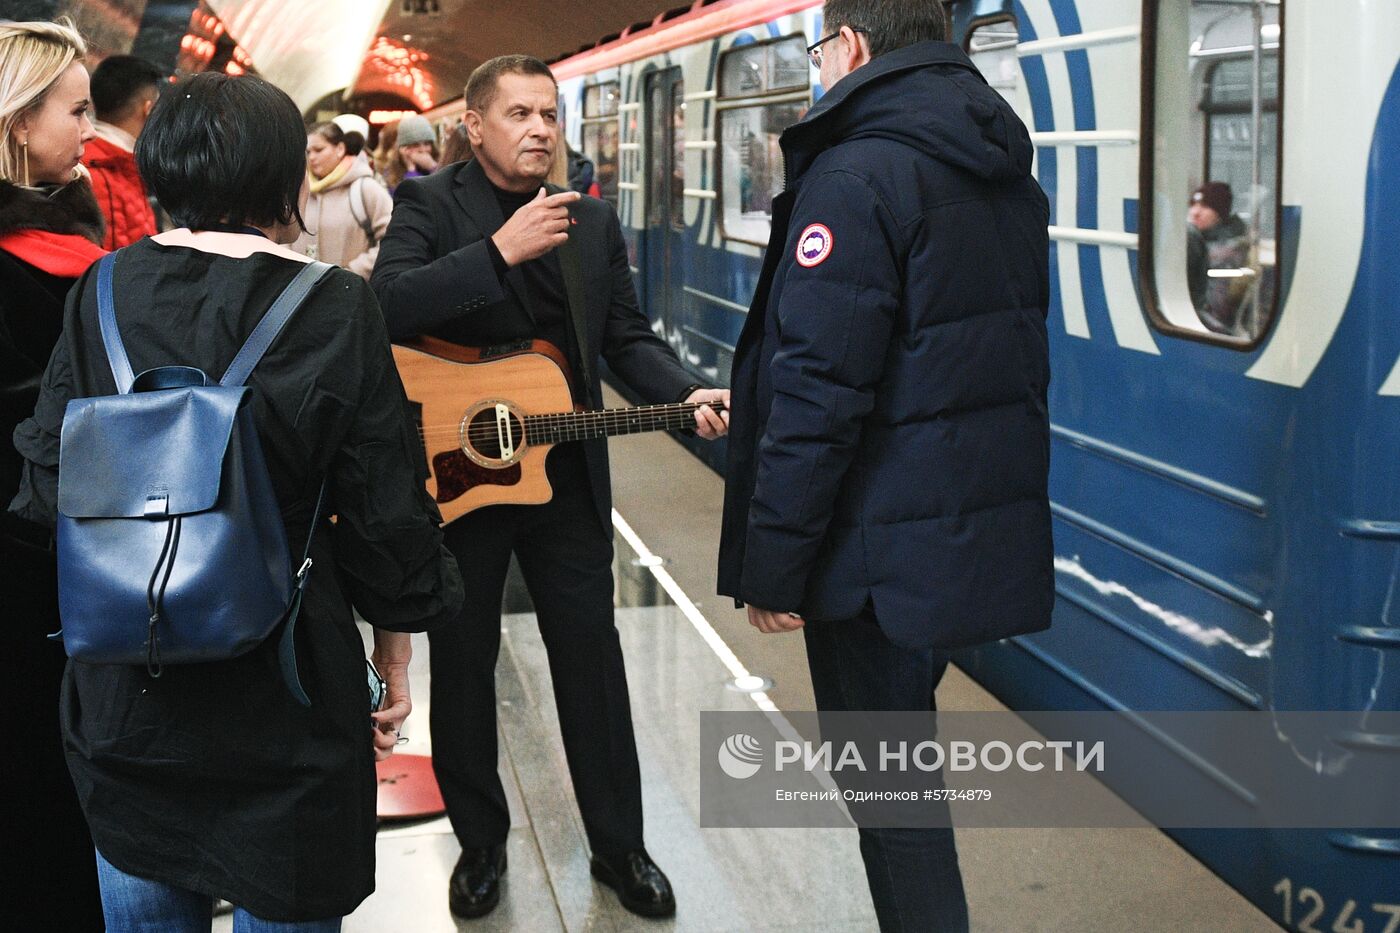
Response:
column 601, row 100
column 600, row 135
column 992, row 48
column 600, row 139
column 751, row 167
column 991, row 45
column 764, row 68
column 1211, row 222
column 750, row 162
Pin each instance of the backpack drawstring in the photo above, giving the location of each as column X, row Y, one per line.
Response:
column 154, row 596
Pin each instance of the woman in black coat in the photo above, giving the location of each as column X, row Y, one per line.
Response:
column 50, row 226
column 211, row 781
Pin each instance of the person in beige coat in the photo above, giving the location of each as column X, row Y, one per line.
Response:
column 348, row 210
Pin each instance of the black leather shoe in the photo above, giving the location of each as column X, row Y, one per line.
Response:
column 640, row 885
column 475, row 888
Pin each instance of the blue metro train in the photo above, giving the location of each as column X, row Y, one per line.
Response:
column 1226, row 431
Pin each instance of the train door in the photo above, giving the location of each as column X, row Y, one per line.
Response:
column 664, row 235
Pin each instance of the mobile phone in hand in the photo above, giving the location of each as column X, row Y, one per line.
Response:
column 378, row 689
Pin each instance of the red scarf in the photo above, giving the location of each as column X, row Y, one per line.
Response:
column 66, row 255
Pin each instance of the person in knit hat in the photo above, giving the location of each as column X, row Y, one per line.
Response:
column 414, row 152
column 1216, row 239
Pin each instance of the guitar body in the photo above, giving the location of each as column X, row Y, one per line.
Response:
column 470, row 405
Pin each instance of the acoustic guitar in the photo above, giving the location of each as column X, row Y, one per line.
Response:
column 488, row 417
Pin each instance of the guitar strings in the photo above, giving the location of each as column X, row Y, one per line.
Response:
column 671, row 416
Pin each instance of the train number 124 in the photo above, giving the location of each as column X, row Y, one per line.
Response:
column 1311, row 908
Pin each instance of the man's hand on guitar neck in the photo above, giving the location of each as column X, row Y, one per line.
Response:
column 709, row 423
column 536, row 228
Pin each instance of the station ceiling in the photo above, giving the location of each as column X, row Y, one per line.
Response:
column 421, row 50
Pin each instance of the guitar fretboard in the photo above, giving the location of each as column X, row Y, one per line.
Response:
column 584, row 425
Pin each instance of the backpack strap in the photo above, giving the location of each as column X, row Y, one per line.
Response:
column 272, row 323
column 286, row 645
column 107, row 321
column 238, row 372
column 357, row 196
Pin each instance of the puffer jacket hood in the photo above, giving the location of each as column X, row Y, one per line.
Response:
column 928, row 96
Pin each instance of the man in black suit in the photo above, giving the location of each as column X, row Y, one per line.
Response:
column 483, row 254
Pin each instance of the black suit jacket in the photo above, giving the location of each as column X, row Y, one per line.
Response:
column 434, row 276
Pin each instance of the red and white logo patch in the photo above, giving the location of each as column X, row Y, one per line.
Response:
column 814, row 245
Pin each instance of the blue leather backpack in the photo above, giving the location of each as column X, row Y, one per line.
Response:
column 171, row 545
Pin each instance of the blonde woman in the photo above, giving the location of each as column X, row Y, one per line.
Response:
column 50, row 226
column 348, row 210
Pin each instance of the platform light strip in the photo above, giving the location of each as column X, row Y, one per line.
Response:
column 707, row 633
column 689, row 610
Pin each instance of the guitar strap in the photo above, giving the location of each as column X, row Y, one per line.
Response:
column 572, row 268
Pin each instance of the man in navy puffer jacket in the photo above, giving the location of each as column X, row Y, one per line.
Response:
column 889, row 438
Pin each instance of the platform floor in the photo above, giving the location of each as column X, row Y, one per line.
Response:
column 738, row 880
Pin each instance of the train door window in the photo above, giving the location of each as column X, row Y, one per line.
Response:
column 1210, row 225
column 657, row 178
column 600, row 135
column 764, row 88
column 991, row 45
column 678, row 155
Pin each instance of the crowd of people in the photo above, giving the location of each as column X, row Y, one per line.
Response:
column 192, row 206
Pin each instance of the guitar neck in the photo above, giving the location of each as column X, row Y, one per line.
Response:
column 585, row 425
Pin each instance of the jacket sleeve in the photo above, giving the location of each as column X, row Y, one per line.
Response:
column 37, row 438
column 834, row 321
column 420, row 290
column 388, row 542
column 381, row 208
column 633, row 351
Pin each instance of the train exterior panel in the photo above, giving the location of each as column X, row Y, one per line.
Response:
column 1226, row 502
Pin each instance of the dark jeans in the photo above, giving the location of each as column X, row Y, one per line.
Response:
column 566, row 559
column 913, row 873
column 140, row 905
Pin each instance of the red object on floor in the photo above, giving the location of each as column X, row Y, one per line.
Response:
column 408, row 789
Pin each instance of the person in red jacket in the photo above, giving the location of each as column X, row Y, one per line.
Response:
column 124, row 89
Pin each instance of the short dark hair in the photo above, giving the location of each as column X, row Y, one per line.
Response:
column 118, row 82
column 481, row 86
column 224, row 150
column 888, row 24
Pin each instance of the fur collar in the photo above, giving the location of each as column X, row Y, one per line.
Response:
column 70, row 208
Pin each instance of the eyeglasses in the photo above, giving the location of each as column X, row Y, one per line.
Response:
column 814, row 51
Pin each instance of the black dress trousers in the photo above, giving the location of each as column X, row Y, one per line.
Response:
column 566, row 558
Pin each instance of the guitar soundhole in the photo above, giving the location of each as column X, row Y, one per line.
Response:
column 482, row 435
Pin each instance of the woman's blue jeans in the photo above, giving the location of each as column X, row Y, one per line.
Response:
column 139, row 905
